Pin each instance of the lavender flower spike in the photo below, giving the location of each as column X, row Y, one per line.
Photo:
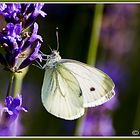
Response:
column 13, row 106
column 20, row 46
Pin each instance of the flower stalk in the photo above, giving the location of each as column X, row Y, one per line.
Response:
column 95, row 34
column 10, row 84
column 18, row 81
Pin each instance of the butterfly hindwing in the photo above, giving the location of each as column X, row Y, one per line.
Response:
column 96, row 86
column 61, row 93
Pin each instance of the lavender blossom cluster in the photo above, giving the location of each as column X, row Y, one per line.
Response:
column 20, row 43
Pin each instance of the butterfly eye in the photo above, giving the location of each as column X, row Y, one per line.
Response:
column 54, row 54
column 92, row 89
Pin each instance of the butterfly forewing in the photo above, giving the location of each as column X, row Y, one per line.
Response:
column 96, row 86
column 61, row 93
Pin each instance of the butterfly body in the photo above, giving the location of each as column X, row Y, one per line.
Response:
column 70, row 86
column 53, row 59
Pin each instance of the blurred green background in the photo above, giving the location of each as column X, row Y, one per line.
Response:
column 118, row 54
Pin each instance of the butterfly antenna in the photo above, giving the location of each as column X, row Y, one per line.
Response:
column 50, row 47
column 57, row 37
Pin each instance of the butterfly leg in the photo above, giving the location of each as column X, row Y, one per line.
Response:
column 39, row 65
column 43, row 54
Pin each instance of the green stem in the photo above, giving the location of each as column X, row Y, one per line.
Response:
column 18, row 81
column 18, row 85
column 10, row 84
column 93, row 47
column 95, row 34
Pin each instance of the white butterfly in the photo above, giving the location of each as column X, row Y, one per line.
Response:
column 70, row 86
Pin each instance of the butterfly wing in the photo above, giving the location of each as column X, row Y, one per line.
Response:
column 61, row 93
column 96, row 86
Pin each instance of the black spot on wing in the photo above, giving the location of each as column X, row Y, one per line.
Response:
column 92, row 89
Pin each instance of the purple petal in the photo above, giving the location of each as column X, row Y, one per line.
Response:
column 10, row 28
column 3, row 6
column 14, row 31
column 32, row 57
column 38, row 6
column 5, row 109
column 42, row 13
column 20, row 98
column 34, row 35
column 13, row 8
column 16, row 7
column 18, row 29
column 38, row 10
column 35, row 54
column 15, row 103
column 8, row 100
column 13, row 41
column 35, row 30
column 24, row 109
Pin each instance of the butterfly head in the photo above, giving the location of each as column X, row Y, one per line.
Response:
column 55, row 55
column 53, row 58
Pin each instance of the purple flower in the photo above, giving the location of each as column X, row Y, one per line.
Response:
column 97, row 125
column 20, row 47
column 20, row 44
column 98, row 122
column 22, row 13
column 13, row 106
column 9, row 115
